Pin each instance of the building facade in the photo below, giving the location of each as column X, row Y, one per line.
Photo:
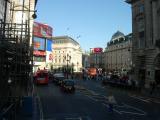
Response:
column 86, row 60
column 67, row 53
column 21, row 12
column 96, row 57
column 117, row 55
column 2, row 8
column 42, row 46
column 146, row 41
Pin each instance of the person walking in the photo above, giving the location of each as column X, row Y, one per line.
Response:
column 111, row 102
column 153, row 86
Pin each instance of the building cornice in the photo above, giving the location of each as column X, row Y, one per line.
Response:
column 131, row 1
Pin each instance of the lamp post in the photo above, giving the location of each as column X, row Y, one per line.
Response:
column 68, row 59
column 77, row 66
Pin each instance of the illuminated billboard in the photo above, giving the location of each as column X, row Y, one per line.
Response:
column 96, row 50
column 49, row 45
column 42, row 30
column 49, row 57
column 39, row 43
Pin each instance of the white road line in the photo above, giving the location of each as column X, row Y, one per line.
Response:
column 105, row 97
column 73, row 119
column 113, row 109
column 139, row 112
column 135, row 113
column 144, row 113
column 101, row 101
column 98, row 97
column 138, row 98
column 40, row 108
column 91, row 98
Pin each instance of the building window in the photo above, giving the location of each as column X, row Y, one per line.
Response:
column 141, row 40
column 140, row 24
column 141, row 8
column 55, row 60
column 141, row 34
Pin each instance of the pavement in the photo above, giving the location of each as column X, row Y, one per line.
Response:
column 29, row 109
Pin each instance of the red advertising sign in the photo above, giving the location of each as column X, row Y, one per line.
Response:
column 49, row 56
column 42, row 30
column 98, row 50
column 39, row 53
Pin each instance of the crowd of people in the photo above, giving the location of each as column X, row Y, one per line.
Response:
column 111, row 78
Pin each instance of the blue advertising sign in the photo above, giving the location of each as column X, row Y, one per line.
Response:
column 49, row 45
column 39, row 43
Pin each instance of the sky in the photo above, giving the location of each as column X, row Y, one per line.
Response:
column 90, row 22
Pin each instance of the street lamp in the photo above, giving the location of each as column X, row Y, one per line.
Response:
column 68, row 59
column 77, row 66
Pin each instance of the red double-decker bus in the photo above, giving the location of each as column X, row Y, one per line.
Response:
column 41, row 77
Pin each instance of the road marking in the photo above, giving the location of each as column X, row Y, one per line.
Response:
column 137, row 111
column 113, row 109
column 91, row 98
column 134, row 113
column 138, row 98
column 135, row 108
column 73, row 119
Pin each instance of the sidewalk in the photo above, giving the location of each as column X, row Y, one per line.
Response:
column 30, row 109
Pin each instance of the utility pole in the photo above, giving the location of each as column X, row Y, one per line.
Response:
column 68, row 59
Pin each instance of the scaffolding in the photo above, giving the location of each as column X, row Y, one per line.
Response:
column 15, row 63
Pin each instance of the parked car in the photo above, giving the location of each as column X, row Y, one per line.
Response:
column 58, row 78
column 68, row 85
column 105, row 81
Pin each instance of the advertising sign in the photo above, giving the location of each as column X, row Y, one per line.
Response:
column 39, row 43
column 39, row 53
column 42, row 30
column 49, row 45
column 98, row 50
column 49, row 56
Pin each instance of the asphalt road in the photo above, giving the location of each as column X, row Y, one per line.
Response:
column 89, row 102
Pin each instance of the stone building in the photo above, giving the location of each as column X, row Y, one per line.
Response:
column 96, row 57
column 66, row 52
column 86, row 59
column 2, row 8
column 117, row 55
column 146, row 40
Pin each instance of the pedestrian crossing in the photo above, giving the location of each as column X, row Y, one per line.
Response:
column 119, row 108
column 145, row 99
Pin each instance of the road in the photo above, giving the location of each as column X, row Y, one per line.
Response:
column 89, row 102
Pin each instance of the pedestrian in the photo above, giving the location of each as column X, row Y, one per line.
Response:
column 153, row 85
column 111, row 102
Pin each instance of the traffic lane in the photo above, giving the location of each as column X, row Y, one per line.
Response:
column 57, row 104
column 134, row 107
column 124, row 111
